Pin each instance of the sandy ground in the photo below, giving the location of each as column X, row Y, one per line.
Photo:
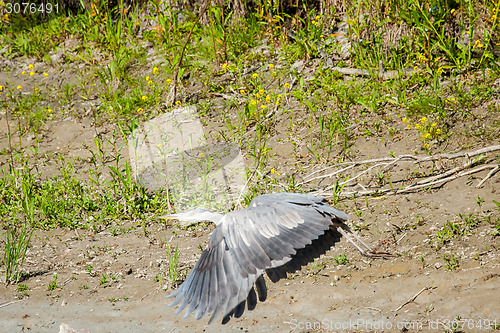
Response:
column 361, row 296
column 107, row 283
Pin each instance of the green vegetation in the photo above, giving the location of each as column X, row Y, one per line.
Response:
column 173, row 273
column 341, row 260
column 451, row 261
column 53, row 284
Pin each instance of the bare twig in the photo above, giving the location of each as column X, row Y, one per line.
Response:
column 465, row 173
column 461, row 154
column 9, row 303
column 391, row 160
column 491, row 173
column 388, row 162
column 446, row 174
column 414, row 297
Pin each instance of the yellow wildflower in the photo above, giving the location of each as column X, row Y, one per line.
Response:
column 263, row 106
column 417, row 126
column 261, row 91
column 426, row 145
column 423, row 120
column 433, row 125
column 287, row 85
column 155, row 70
column 140, row 110
column 405, row 120
column 274, row 73
column 178, row 103
column 169, row 81
column 427, row 135
column 31, row 67
column 271, row 66
column 46, row 74
column 32, row 73
column 224, row 66
column 242, row 91
column 1, row 87
column 255, row 75
column 408, row 126
column 273, row 171
column 144, row 98
column 438, row 131
column 19, row 87
column 23, row 73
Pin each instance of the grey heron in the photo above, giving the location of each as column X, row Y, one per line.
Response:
column 278, row 233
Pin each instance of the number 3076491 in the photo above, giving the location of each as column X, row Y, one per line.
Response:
column 30, row 8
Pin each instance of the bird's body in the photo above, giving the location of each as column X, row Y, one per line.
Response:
column 272, row 235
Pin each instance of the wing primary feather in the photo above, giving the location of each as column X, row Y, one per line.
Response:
column 194, row 301
column 187, row 293
column 240, row 309
column 252, row 299
column 260, row 284
column 201, row 307
column 190, row 288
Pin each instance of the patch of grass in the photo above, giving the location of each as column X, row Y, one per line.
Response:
column 22, row 287
column 53, row 284
column 315, row 267
column 104, row 279
column 173, row 273
column 452, row 262
column 18, row 235
column 90, row 269
column 451, row 229
column 341, row 259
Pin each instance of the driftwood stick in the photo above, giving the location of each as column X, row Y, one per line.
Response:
column 404, row 158
column 460, row 154
column 461, row 174
column 389, row 162
column 446, row 174
column 491, row 173
column 413, row 298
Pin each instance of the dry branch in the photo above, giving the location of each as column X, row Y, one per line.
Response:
column 413, row 298
column 389, row 162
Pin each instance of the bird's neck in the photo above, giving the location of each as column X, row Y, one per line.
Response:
column 215, row 217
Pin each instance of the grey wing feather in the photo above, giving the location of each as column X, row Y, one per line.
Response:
column 248, row 242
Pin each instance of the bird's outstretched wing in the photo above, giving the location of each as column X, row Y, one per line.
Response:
column 266, row 235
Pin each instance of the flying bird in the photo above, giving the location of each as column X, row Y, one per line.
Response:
column 278, row 234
